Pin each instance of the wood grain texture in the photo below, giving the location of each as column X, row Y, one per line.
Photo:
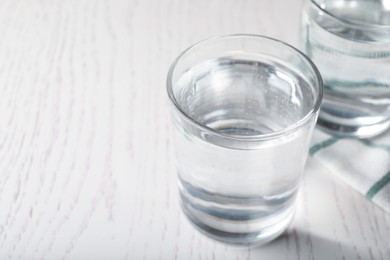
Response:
column 86, row 166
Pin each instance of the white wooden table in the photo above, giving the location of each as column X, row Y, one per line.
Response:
column 86, row 167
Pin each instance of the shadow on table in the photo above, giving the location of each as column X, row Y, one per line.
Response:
column 295, row 244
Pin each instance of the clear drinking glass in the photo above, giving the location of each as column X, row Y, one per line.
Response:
column 349, row 41
column 243, row 110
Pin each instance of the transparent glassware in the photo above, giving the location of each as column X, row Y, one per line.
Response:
column 349, row 41
column 243, row 109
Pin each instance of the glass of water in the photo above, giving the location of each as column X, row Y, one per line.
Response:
column 243, row 110
column 349, row 41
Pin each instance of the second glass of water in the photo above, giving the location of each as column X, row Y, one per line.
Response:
column 349, row 41
column 243, row 109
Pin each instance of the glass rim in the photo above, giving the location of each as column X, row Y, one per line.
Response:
column 350, row 22
column 273, row 135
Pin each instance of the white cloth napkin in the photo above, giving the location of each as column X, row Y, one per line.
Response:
column 363, row 164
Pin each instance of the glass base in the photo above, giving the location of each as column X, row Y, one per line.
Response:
column 232, row 228
column 254, row 239
column 345, row 127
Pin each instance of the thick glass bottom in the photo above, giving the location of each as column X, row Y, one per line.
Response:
column 253, row 239
column 238, row 221
column 345, row 127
